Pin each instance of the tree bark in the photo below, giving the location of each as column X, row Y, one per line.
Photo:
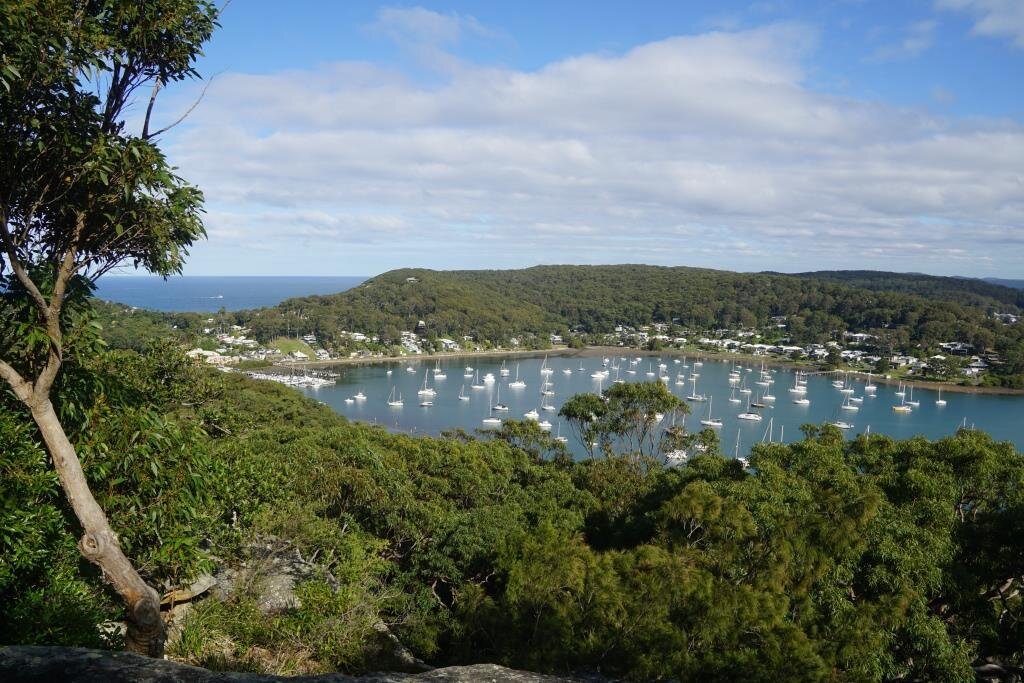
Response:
column 146, row 631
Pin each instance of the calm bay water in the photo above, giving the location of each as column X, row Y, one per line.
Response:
column 211, row 293
column 1000, row 416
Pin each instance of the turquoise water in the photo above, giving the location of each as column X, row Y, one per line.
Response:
column 1001, row 416
column 209, row 294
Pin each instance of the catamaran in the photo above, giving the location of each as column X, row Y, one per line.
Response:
column 748, row 415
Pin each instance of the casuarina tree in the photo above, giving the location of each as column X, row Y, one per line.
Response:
column 84, row 188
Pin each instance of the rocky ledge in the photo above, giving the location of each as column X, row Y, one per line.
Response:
column 27, row 664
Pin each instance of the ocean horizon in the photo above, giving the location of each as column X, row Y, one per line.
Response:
column 210, row 293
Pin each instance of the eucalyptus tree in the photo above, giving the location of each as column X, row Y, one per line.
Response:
column 84, row 188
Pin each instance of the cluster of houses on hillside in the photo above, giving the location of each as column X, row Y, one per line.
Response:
column 234, row 345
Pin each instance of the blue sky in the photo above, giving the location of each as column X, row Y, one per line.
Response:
column 343, row 138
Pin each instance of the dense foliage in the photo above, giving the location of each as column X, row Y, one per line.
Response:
column 829, row 560
column 987, row 294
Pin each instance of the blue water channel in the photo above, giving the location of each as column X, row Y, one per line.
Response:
column 1000, row 416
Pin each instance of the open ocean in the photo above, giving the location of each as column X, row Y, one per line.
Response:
column 211, row 293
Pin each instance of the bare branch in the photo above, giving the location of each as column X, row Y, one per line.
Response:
column 149, row 108
column 187, row 111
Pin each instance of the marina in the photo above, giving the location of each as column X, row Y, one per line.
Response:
column 749, row 397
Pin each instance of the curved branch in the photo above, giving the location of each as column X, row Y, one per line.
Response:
column 21, row 273
column 181, row 118
column 22, row 387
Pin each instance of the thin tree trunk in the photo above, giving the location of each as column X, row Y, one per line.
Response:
column 146, row 630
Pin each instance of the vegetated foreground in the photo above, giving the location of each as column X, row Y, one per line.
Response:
column 869, row 559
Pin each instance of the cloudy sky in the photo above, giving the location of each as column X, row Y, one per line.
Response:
column 349, row 138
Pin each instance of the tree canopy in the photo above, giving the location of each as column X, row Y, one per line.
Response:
column 82, row 193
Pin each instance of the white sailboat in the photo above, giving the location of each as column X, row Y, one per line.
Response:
column 395, row 402
column 462, row 393
column 558, row 435
column 694, row 396
column 498, row 405
column 477, row 384
column 732, row 396
column 504, row 372
column 517, row 383
column 869, row 387
column 425, row 390
column 940, row 401
column 711, row 421
column 910, row 401
column 491, row 420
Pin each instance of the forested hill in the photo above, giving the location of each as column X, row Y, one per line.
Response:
column 970, row 291
column 491, row 304
column 1012, row 284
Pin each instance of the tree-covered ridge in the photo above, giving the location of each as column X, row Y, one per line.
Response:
column 987, row 293
column 828, row 560
column 493, row 304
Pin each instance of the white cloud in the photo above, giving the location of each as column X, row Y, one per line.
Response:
column 994, row 18
column 676, row 151
column 917, row 38
column 420, row 25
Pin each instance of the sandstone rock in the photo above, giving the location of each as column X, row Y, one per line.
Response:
column 33, row 664
column 197, row 588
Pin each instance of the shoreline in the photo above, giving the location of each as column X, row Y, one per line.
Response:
column 602, row 351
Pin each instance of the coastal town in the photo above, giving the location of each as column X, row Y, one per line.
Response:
column 234, row 346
